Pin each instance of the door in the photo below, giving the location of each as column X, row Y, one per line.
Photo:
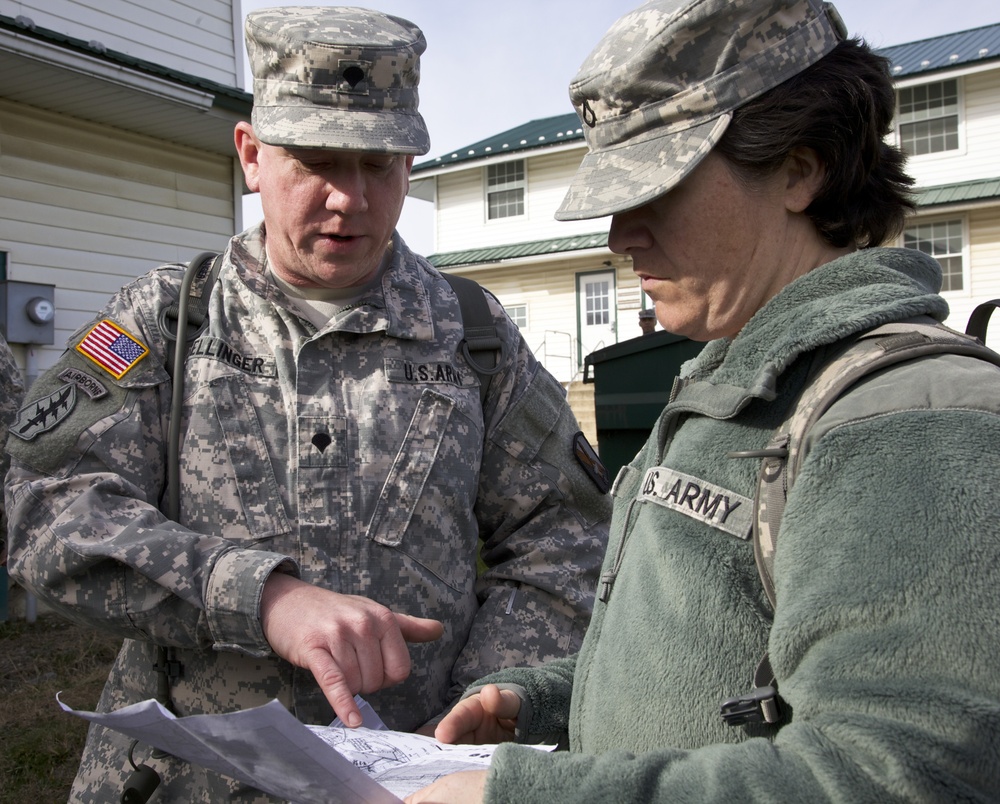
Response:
column 596, row 312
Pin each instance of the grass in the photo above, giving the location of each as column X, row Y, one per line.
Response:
column 40, row 745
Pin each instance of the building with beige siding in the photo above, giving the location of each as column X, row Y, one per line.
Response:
column 494, row 202
column 116, row 146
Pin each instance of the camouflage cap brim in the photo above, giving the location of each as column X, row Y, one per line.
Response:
column 657, row 92
column 311, row 127
column 623, row 178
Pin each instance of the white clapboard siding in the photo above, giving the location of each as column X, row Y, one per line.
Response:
column 86, row 208
column 550, row 175
column 190, row 36
column 984, row 255
column 549, row 291
column 459, row 212
column 980, row 155
column 461, row 206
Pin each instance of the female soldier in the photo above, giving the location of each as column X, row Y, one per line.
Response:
column 739, row 145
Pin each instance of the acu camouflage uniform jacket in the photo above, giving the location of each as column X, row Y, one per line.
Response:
column 358, row 457
column 11, row 391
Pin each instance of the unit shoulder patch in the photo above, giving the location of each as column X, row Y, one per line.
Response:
column 587, row 457
column 44, row 413
column 60, row 405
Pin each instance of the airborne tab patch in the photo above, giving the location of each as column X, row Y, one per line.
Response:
column 112, row 348
column 715, row 506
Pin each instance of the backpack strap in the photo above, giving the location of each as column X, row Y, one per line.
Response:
column 873, row 351
column 481, row 344
column 831, row 377
column 192, row 308
column 196, row 287
column 980, row 319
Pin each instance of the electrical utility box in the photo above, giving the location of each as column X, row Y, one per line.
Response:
column 27, row 312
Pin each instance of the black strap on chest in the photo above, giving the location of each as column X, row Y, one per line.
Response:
column 481, row 344
column 980, row 319
column 193, row 311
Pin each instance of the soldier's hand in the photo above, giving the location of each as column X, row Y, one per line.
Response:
column 465, row 787
column 487, row 717
column 350, row 644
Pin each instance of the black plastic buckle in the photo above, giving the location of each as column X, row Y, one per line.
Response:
column 760, row 705
column 169, row 667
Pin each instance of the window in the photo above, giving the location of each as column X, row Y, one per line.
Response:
column 519, row 315
column 505, row 190
column 928, row 118
column 945, row 242
column 598, row 301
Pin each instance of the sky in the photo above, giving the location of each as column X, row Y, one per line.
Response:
column 490, row 67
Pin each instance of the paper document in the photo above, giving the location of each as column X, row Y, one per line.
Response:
column 268, row 748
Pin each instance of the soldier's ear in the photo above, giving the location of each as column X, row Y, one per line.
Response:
column 248, row 149
column 805, row 176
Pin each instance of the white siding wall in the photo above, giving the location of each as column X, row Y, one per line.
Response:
column 459, row 212
column 549, row 291
column 190, row 36
column 984, row 257
column 978, row 158
column 980, row 155
column 461, row 206
column 86, row 208
column 549, row 288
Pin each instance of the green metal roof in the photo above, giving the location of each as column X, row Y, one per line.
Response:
column 978, row 190
column 542, row 133
column 534, row 248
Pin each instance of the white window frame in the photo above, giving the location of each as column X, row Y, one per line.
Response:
column 931, row 115
column 518, row 314
column 964, row 253
column 507, row 185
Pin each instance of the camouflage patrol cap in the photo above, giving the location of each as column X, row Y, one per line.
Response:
column 336, row 77
column 658, row 91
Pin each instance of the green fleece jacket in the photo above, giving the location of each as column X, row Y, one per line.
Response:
column 885, row 640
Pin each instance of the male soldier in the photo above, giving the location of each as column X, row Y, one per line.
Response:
column 338, row 467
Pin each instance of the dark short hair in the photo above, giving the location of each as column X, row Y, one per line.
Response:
column 841, row 107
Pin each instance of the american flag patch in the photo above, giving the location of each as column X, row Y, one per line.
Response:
column 112, row 348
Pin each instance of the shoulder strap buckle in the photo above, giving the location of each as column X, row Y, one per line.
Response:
column 760, row 705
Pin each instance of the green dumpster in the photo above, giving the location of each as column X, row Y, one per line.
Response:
column 632, row 381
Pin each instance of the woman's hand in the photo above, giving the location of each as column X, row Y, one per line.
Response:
column 487, row 717
column 456, row 788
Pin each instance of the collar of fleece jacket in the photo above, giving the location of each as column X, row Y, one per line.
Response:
column 831, row 302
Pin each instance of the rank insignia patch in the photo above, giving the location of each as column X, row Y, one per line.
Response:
column 112, row 348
